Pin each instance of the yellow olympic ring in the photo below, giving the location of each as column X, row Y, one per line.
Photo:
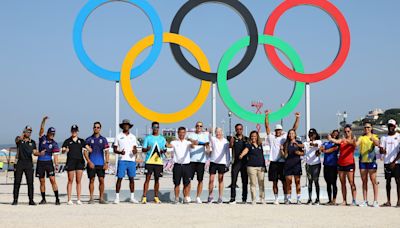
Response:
column 147, row 113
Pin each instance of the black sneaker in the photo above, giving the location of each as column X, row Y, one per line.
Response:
column 58, row 202
column 32, row 203
column 43, row 202
column 232, row 201
column 316, row 202
column 14, row 203
column 309, row 202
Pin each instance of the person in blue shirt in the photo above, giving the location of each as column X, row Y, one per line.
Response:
column 45, row 166
column 154, row 145
column 331, row 151
column 95, row 161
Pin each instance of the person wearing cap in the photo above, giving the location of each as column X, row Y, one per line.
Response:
column 313, row 163
column 154, row 145
column 26, row 147
column 75, row 165
column 368, row 166
column 198, row 157
column 238, row 143
column 45, row 166
column 390, row 149
column 126, row 146
column 95, row 161
column 277, row 161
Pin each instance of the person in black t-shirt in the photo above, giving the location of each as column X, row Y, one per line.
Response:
column 26, row 147
column 238, row 143
column 255, row 165
column 74, row 147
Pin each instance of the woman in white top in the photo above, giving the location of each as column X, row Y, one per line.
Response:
column 220, row 160
column 313, row 163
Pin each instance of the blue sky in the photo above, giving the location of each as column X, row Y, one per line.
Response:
column 41, row 75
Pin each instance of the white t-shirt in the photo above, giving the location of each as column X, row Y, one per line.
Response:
column 198, row 153
column 392, row 145
column 275, row 145
column 309, row 156
column 220, row 153
column 126, row 143
column 181, row 151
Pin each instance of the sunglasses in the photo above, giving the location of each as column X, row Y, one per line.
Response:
column 199, row 125
column 347, row 131
column 96, row 127
column 155, row 127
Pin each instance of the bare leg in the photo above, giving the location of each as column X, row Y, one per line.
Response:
column 71, row 175
column 78, row 183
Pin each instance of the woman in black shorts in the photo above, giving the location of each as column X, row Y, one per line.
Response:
column 292, row 151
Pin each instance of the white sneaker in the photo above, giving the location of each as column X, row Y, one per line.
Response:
column 363, row 204
column 134, row 201
column 376, row 205
column 263, row 201
column 198, row 200
column 78, row 202
column 116, row 201
column 276, row 202
column 188, row 200
column 70, row 202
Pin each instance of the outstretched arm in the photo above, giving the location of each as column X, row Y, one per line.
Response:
column 267, row 128
column 297, row 121
column 42, row 125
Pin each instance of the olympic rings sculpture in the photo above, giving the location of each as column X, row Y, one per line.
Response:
column 250, row 42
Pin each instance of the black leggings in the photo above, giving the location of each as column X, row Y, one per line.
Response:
column 330, row 176
column 20, row 168
column 313, row 172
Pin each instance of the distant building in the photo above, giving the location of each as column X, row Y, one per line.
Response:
column 169, row 132
column 374, row 114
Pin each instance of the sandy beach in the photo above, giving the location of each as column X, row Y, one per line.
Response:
column 192, row 215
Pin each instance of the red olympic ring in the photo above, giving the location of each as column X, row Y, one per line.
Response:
column 344, row 48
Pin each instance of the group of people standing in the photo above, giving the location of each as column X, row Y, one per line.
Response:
column 191, row 152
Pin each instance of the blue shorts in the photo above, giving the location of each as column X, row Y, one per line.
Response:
column 368, row 166
column 126, row 167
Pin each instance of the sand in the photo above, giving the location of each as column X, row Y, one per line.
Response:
column 193, row 215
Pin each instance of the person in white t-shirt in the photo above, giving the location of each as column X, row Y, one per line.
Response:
column 219, row 162
column 277, row 162
column 390, row 148
column 182, row 170
column 198, row 157
column 313, row 163
column 126, row 146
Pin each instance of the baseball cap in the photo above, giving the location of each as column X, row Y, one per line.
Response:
column 392, row 121
column 27, row 128
column 51, row 130
column 74, row 128
column 278, row 127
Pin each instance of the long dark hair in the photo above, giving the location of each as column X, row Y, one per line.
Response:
column 259, row 141
column 287, row 142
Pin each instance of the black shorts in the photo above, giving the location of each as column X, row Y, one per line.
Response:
column 98, row 170
column 347, row 168
column 75, row 164
column 45, row 168
column 220, row 168
column 389, row 173
column 275, row 172
column 294, row 170
column 181, row 172
column 197, row 168
column 156, row 169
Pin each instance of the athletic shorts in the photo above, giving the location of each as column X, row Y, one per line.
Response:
column 44, row 168
column 389, row 173
column 220, row 168
column 126, row 168
column 347, row 168
column 275, row 172
column 156, row 169
column 181, row 172
column 292, row 170
column 197, row 168
column 98, row 170
column 75, row 164
column 368, row 166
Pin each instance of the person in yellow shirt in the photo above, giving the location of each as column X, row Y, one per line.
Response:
column 366, row 145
